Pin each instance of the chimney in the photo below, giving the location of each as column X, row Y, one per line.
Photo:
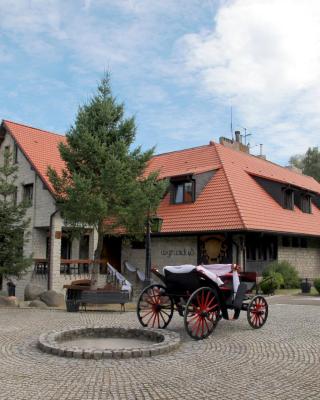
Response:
column 235, row 144
column 261, row 155
column 237, row 134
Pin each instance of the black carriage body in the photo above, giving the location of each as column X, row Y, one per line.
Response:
column 180, row 286
column 200, row 301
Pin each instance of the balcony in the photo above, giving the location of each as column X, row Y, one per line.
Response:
column 76, row 267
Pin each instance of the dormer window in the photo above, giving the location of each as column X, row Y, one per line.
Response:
column 306, row 203
column 183, row 191
column 288, row 199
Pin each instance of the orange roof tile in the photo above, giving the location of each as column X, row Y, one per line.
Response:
column 232, row 199
column 183, row 162
column 40, row 148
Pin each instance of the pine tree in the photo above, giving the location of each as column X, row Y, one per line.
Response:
column 308, row 162
column 13, row 223
column 103, row 185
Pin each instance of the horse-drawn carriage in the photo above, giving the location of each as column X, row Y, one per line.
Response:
column 202, row 295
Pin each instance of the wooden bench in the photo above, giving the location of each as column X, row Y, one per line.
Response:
column 104, row 297
column 81, row 296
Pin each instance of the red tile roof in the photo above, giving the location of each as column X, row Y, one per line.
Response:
column 40, row 148
column 232, row 199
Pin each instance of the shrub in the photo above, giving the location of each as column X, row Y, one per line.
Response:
column 290, row 275
column 316, row 284
column 270, row 285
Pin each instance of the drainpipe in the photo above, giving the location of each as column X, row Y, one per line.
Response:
column 49, row 255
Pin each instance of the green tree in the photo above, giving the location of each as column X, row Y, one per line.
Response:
column 103, row 184
column 308, row 162
column 13, row 223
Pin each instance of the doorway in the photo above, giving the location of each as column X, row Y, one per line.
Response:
column 112, row 251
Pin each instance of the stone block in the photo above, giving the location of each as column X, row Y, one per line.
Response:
column 38, row 304
column 52, row 298
column 8, row 301
column 32, row 292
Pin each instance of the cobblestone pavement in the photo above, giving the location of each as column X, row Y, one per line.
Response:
column 280, row 361
column 295, row 299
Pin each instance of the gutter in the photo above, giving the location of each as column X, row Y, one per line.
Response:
column 49, row 255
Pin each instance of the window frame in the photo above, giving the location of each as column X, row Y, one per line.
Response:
column 288, row 205
column 26, row 193
column 15, row 153
column 305, row 201
column 15, row 196
column 183, row 183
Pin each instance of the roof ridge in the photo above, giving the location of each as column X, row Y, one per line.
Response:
column 230, row 187
column 181, row 150
column 267, row 161
column 32, row 127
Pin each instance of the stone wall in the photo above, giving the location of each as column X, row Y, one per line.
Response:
column 165, row 251
column 39, row 213
column 305, row 260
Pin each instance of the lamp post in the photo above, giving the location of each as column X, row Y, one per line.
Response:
column 154, row 225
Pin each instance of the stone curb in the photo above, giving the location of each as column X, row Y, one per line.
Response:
column 54, row 342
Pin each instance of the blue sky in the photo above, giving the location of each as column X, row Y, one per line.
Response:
column 178, row 65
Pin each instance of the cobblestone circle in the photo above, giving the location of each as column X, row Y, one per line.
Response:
column 58, row 342
column 280, row 361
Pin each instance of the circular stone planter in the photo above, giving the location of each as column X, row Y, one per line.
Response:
column 71, row 343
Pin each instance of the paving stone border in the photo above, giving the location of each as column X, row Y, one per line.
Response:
column 160, row 342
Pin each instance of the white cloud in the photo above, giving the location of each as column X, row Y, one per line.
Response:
column 264, row 58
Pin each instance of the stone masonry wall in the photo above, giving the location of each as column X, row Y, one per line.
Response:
column 165, row 251
column 39, row 214
column 306, row 260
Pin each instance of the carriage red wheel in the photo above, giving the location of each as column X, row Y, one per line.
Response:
column 257, row 312
column 155, row 307
column 202, row 313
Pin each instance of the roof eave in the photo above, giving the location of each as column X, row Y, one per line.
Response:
column 7, row 128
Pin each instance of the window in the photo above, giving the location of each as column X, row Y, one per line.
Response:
column 286, row 241
column 295, row 242
column 304, row 243
column 183, row 192
column 137, row 245
column 288, row 199
column 15, row 153
column 306, row 203
column 28, row 193
column 15, row 196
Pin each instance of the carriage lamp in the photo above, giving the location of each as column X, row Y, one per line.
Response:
column 153, row 225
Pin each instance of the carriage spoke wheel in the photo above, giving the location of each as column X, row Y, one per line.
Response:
column 202, row 313
column 155, row 307
column 257, row 312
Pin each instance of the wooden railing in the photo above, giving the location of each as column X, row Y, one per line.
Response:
column 69, row 266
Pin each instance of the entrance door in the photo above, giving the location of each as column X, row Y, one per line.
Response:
column 112, row 251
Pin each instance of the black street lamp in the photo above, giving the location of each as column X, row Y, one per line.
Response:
column 153, row 225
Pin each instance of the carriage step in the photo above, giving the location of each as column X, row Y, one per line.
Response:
column 241, row 293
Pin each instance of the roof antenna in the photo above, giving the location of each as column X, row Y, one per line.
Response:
column 246, row 135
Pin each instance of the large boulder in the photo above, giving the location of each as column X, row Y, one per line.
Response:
column 52, row 298
column 33, row 292
column 8, row 301
column 38, row 304
column 24, row 304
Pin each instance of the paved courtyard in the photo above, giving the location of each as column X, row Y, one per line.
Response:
column 280, row 361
